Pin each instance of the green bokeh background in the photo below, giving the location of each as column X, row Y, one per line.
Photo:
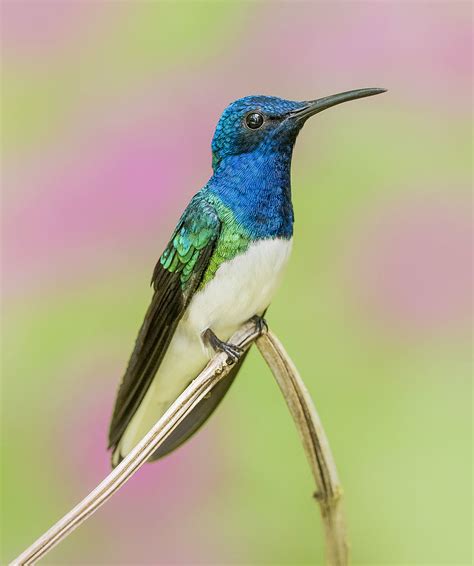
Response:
column 108, row 111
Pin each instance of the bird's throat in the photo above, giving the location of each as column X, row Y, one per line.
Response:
column 257, row 188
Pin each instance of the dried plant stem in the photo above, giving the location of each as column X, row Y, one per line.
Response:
column 316, row 446
column 303, row 413
column 212, row 374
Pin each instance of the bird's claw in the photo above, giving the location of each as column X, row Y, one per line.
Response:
column 233, row 352
column 261, row 325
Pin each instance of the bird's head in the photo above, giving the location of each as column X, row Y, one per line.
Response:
column 267, row 124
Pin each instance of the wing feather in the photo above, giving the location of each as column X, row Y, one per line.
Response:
column 175, row 278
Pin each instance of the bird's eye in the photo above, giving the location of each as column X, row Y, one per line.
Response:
column 254, row 120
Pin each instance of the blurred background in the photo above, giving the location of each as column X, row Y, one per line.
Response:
column 108, row 113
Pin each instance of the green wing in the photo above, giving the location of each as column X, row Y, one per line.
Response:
column 197, row 230
column 177, row 275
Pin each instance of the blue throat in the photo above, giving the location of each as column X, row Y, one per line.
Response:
column 256, row 186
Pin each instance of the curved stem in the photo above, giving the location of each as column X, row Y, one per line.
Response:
column 206, row 380
column 301, row 408
column 316, row 446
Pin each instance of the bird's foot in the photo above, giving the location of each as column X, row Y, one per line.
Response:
column 233, row 352
column 261, row 325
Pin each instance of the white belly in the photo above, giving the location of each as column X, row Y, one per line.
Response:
column 240, row 289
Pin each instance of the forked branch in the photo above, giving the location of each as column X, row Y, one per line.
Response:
column 302, row 410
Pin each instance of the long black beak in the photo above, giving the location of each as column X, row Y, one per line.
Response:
column 314, row 106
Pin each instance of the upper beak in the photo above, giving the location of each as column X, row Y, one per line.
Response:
column 314, row 106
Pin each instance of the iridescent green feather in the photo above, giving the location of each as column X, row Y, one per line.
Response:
column 204, row 221
column 228, row 246
column 198, row 227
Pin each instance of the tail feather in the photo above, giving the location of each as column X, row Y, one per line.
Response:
column 186, row 428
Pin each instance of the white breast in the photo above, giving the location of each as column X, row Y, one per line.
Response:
column 240, row 289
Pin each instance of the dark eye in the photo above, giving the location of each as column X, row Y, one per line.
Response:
column 254, row 120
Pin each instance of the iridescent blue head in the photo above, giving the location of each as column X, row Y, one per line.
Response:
column 251, row 157
column 255, row 123
column 267, row 124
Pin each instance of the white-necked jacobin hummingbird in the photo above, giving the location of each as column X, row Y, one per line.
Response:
column 221, row 267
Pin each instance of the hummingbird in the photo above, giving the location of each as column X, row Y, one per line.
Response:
column 221, row 267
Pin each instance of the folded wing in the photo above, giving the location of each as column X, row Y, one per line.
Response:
column 176, row 277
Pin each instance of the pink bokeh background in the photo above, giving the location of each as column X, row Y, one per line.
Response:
column 109, row 111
